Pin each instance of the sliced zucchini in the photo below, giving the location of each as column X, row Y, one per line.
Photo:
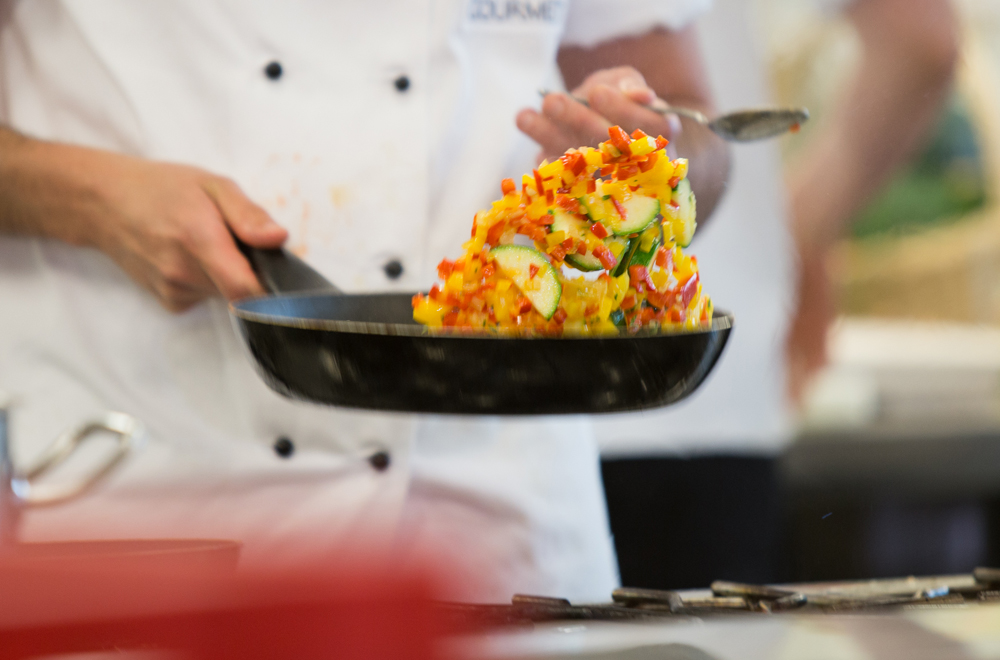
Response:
column 684, row 224
column 623, row 263
column 640, row 212
column 653, row 237
column 543, row 290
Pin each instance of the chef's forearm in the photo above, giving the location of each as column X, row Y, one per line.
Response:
column 910, row 49
column 45, row 189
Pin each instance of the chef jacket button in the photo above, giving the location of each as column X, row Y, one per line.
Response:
column 380, row 460
column 402, row 83
column 273, row 70
column 284, row 447
column 393, row 269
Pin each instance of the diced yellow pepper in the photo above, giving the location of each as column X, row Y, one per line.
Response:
column 680, row 168
column 554, row 168
column 503, row 285
column 454, row 282
column 555, row 238
column 592, row 157
column 618, row 248
column 660, row 278
column 642, row 146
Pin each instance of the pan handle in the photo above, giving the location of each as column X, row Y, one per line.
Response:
column 280, row 271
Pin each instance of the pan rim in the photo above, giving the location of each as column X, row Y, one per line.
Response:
column 721, row 320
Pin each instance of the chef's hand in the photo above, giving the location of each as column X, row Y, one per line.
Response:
column 168, row 226
column 616, row 97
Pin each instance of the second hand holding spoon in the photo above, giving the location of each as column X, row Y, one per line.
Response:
column 739, row 126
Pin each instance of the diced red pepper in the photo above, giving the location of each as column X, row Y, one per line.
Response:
column 445, row 268
column 567, row 244
column 435, row 293
column 688, row 290
column 507, row 186
column 591, row 309
column 574, row 162
column 607, row 170
column 637, row 134
column 599, row 230
column 676, row 315
column 619, row 139
column 562, row 191
column 647, row 164
column 532, row 271
column 661, row 142
column 523, row 305
column 547, row 219
column 639, row 275
column 629, row 302
column 619, row 208
column 492, row 315
column 627, row 171
column 673, row 181
column 645, row 315
column 451, row 318
column 591, row 186
column 539, row 186
column 475, row 225
column 605, row 256
column 495, row 232
column 488, row 271
column 558, row 252
column 550, row 197
column 416, row 300
column 665, row 259
column 537, row 233
column 569, row 204
column 581, row 247
column 674, row 204
column 560, row 315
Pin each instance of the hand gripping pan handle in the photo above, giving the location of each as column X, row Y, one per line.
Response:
column 280, row 271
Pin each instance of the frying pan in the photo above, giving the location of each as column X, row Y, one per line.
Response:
column 311, row 341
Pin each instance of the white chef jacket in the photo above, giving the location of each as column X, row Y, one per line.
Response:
column 390, row 125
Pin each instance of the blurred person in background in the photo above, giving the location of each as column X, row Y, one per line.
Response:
column 693, row 491
column 138, row 136
column 881, row 119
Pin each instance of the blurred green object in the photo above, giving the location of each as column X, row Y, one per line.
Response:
column 944, row 184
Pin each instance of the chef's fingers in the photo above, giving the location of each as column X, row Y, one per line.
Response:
column 621, row 110
column 546, row 133
column 625, row 79
column 584, row 125
column 249, row 222
column 211, row 242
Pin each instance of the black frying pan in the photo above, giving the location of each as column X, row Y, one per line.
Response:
column 365, row 351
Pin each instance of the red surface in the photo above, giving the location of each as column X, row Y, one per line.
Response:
column 206, row 610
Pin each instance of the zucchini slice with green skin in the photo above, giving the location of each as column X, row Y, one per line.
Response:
column 623, row 263
column 543, row 290
column 576, row 229
column 640, row 212
column 645, row 257
column 685, row 224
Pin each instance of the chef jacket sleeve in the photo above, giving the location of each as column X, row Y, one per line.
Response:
column 590, row 22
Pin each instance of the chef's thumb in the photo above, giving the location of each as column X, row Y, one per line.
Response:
column 246, row 220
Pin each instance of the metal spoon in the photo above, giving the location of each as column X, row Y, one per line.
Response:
column 739, row 126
